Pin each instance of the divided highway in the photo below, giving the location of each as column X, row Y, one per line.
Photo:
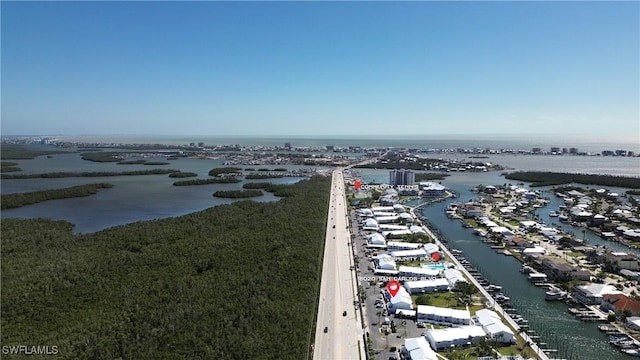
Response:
column 338, row 334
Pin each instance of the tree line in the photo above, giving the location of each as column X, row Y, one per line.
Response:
column 236, row 281
column 546, row 178
column 9, row 201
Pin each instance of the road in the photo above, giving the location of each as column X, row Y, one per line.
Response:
column 343, row 339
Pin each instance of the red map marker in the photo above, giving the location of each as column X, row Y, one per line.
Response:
column 435, row 256
column 357, row 185
column 393, row 286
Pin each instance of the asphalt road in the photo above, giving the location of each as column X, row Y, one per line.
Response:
column 343, row 339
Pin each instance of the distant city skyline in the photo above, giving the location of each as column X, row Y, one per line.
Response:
column 321, row 68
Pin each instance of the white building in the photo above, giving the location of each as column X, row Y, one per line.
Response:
column 432, row 189
column 387, row 219
column 443, row 316
column 494, row 327
column 370, row 224
column 441, row 339
column 376, row 240
column 402, row 301
column 385, row 262
column 418, row 349
column 409, row 254
column 426, row 286
column 453, row 276
column 399, row 245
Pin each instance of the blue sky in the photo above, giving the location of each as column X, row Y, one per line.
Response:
column 321, row 68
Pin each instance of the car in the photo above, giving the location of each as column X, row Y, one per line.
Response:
column 326, row 329
column 344, row 313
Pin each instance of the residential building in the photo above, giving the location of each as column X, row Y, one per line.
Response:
column 441, row 339
column 443, row 316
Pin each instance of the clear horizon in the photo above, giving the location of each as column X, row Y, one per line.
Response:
column 338, row 69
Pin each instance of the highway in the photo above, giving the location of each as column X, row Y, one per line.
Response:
column 343, row 339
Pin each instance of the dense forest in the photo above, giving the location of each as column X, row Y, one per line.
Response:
column 222, row 180
column 543, row 178
column 430, row 176
column 224, row 170
column 262, row 176
column 10, row 201
column 237, row 194
column 236, row 281
column 183, row 174
column 88, row 174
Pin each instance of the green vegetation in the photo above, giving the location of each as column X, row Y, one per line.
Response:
column 258, row 185
column 222, row 180
column 224, row 170
column 237, row 194
column 9, row 166
column 20, row 152
column 430, row 176
column 543, row 178
column 182, row 174
column 10, row 201
column 102, row 156
column 65, row 174
column 237, row 281
column 633, row 192
column 262, row 176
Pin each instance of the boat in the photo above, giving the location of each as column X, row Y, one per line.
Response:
column 632, row 352
column 492, row 287
column 554, row 294
column 563, row 218
column 553, row 214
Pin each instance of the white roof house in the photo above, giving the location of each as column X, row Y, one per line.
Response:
column 453, row 276
column 370, row 224
column 376, row 239
column 396, row 233
column 387, row 219
column 417, row 229
column 456, row 336
column 426, row 286
column 385, row 262
column 405, row 254
column 431, row 248
column 418, row 349
column 400, row 245
column 402, row 300
column 593, row 293
column 443, row 316
column 494, row 327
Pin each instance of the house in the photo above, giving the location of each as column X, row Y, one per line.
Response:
column 431, row 189
column 453, row 276
column 409, row 254
column 494, row 327
column 385, row 262
column 417, row 272
column 558, row 269
column 401, row 301
column 418, row 349
column 376, row 240
column 593, row 293
column 443, row 316
column 622, row 260
column 620, row 303
column 426, row 286
column 441, row 339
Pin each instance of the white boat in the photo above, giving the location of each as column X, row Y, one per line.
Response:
column 632, row 352
column 553, row 214
column 554, row 294
column 563, row 218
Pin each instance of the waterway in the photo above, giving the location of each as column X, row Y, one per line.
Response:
column 574, row 339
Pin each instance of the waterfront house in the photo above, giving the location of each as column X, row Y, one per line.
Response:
column 417, row 272
column 409, row 255
column 399, row 245
column 418, row 349
column 593, row 294
column 620, row 303
column 453, row 276
column 633, row 323
column 443, row 316
column 441, row 339
column 559, row 269
column 494, row 327
column 431, row 189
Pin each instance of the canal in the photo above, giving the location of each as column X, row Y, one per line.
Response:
column 551, row 321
